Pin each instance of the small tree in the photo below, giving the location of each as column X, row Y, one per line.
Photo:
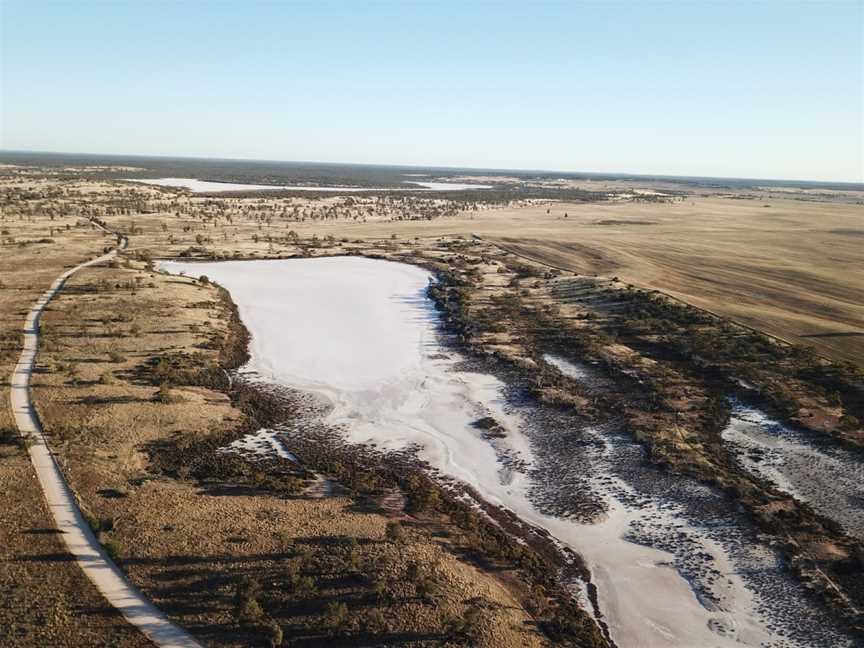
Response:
column 304, row 586
column 394, row 532
column 427, row 588
column 276, row 634
column 112, row 548
column 246, row 607
column 336, row 614
column 163, row 394
column 375, row 622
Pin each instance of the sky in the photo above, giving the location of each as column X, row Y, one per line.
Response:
column 730, row 89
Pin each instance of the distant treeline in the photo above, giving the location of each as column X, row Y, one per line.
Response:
column 359, row 175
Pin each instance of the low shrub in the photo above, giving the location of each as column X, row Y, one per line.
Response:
column 395, row 532
column 163, row 394
column 112, row 549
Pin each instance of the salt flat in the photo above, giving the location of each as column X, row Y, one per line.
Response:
column 206, row 186
column 669, row 543
column 361, row 334
column 828, row 477
column 448, row 186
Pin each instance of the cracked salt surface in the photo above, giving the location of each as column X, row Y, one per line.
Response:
column 361, row 334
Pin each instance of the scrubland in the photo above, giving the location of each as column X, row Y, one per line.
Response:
column 134, row 397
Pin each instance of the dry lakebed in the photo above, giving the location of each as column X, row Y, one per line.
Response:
column 673, row 561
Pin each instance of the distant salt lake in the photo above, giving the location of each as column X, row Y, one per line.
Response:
column 207, row 186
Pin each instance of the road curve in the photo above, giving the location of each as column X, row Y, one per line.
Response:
column 73, row 528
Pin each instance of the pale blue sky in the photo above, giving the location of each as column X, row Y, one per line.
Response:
column 746, row 89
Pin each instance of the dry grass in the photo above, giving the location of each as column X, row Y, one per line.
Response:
column 786, row 263
column 45, row 599
column 792, row 269
column 186, row 546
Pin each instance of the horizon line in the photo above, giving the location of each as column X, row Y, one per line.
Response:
column 617, row 174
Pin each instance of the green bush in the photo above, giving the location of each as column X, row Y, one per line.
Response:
column 335, row 614
column 112, row 548
column 247, row 610
column 276, row 635
column 849, row 423
column 9, row 436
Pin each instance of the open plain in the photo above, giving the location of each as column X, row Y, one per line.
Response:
column 532, row 444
